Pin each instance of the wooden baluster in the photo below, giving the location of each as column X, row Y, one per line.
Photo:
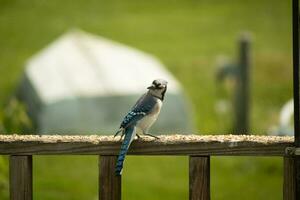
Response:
column 109, row 183
column 199, row 177
column 20, row 175
column 296, row 83
column 289, row 178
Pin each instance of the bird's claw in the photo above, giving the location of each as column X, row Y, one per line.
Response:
column 121, row 137
column 151, row 135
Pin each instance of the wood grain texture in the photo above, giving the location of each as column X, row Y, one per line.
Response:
column 296, row 185
column 109, row 183
column 182, row 145
column 289, row 178
column 20, row 175
column 199, row 178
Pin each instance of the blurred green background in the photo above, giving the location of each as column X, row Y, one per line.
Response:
column 187, row 35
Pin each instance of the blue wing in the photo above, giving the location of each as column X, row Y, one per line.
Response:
column 143, row 106
column 131, row 118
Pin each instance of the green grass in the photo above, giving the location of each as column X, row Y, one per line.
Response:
column 187, row 36
column 75, row 177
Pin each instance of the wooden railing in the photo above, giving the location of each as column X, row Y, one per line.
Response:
column 21, row 148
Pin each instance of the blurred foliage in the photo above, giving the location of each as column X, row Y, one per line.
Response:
column 15, row 118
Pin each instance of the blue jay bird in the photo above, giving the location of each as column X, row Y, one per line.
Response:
column 142, row 115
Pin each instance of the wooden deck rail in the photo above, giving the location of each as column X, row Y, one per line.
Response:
column 21, row 148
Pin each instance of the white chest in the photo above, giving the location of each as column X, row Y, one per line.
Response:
column 145, row 123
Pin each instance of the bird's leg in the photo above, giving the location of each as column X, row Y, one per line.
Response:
column 117, row 133
column 120, row 130
column 145, row 133
column 138, row 136
column 122, row 135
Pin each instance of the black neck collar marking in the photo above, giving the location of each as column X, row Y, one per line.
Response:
column 162, row 97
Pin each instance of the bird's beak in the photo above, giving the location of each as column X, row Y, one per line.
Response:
column 151, row 87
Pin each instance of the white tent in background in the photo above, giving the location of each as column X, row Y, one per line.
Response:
column 285, row 126
column 82, row 83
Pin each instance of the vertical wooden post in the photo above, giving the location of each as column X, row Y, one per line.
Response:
column 289, row 178
column 20, row 175
column 296, row 83
column 109, row 183
column 199, row 177
column 242, row 87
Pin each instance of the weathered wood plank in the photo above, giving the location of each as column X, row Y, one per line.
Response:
column 199, row 178
column 109, row 183
column 20, row 168
column 289, row 178
column 167, row 145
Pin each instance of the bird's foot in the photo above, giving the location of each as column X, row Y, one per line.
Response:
column 151, row 135
column 121, row 137
column 117, row 133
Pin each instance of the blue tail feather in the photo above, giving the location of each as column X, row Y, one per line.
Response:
column 124, row 148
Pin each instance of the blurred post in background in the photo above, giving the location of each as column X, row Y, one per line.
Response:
column 242, row 98
column 238, row 74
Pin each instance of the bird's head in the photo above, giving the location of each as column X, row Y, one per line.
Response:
column 158, row 88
